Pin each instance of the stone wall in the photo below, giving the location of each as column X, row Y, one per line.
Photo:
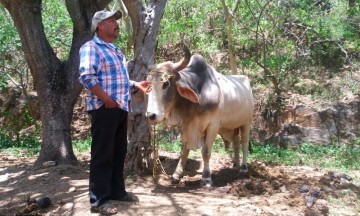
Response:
column 338, row 124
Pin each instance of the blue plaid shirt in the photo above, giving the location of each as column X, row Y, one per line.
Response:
column 103, row 63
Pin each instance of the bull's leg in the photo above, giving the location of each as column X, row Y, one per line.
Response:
column 180, row 166
column 206, row 154
column 236, row 148
column 206, row 175
column 226, row 145
column 245, row 136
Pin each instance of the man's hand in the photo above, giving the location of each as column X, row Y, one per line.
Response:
column 110, row 103
column 144, row 86
column 100, row 93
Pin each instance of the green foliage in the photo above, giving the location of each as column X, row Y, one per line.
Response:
column 189, row 20
column 16, row 122
column 3, row 82
column 9, row 38
column 271, row 154
column 10, row 48
column 29, row 144
column 24, row 145
column 334, row 157
column 58, row 27
column 80, row 146
column 166, row 139
column 169, row 140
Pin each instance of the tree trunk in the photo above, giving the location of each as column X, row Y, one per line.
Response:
column 145, row 23
column 229, row 34
column 351, row 3
column 231, row 47
column 56, row 82
column 128, row 27
column 56, row 139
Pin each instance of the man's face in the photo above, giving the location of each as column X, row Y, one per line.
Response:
column 109, row 27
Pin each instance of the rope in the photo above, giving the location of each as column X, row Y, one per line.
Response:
column 164, row 78
column 156, row 160
column 155, row 151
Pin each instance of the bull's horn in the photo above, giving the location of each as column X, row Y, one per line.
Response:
column 185, row 61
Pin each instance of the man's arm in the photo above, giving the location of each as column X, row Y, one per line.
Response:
column 100, row 93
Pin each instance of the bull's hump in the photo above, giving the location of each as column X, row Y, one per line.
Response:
column 197, row 64
column 201, row 78
column 198, row 57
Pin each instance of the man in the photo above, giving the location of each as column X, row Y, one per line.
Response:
column 103, row 72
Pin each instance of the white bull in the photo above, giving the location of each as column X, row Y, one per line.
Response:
column 202, row 103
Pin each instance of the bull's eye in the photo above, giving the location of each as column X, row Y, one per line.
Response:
column 166, row 84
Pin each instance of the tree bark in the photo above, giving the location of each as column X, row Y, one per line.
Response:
column 55, row 81
column 351, row 3
column 145, row 23
column 229, row 34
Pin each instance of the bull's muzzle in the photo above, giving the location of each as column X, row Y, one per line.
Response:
column 151, row 116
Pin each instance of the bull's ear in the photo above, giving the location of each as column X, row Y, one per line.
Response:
column 186, row 92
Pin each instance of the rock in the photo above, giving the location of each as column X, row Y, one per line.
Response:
column 327, row 124
column 309, row 200
column 326, row 180
column 43, row 202
column 283, row 189
column 72, row 189
column 321, row 206
column 4, row 177
column 327, row 189
column 276, row 185
column 68, row 206
column 262, row 166
column 315, row 192
column 312, row 212
column 304, row 188
column 49, row 164
column 340, row 175
column 30, row 208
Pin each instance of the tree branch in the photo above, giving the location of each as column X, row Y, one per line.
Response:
column 76, row 14
column 135, row 9
column 28, row 22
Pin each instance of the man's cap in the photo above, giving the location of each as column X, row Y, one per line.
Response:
column 103, row 14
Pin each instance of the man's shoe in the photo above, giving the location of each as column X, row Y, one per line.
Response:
column 105, row 209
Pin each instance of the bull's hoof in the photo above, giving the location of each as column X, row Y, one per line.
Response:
column 175, row 179
column 206, row 182
column 236, row 166
column 244, row 168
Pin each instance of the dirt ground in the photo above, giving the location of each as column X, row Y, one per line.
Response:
column 267, row 189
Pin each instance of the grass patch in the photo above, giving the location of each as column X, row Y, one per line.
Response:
column 343, row 198
column 80, row 146
column 334, row 157
column 173, row 144
column 30, row 145
column 271, row 154
column 170, row 145
column 22, row 146
column 331, row 156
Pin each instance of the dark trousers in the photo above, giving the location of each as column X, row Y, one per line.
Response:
column 108, row 152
